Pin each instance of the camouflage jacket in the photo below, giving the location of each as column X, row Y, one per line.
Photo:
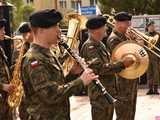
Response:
column 4, row 78
column 102, row 66
column 114, row 39
column 4, row 70
column 46, row 90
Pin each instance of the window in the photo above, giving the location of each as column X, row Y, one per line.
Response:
column 62, row 3
column 93, row 2
column 74, row 4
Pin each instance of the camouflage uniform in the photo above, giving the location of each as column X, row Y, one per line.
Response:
column 5, row 113
column 23, row 106
column 47, row 93
column 127, row 89
column 153, row 70
column 101, row 109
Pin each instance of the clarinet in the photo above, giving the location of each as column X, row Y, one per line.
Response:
column 97, row 82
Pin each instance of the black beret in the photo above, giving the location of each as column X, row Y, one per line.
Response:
column 150, row 23
column 96, row 22
column 24, row 27
column 123, row 16
column 45, row 18
column 2, row 22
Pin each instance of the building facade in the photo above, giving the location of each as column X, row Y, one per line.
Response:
column 62, row 5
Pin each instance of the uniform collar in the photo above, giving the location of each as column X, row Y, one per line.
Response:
column 94, row 41
column 40, row 49
column 152, row 33
column 121, row 35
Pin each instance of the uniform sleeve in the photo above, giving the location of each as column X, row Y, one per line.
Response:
column 112, row 68
column 99, row 66
column 89, row 53
column 1, row 86
column 112, row 43
column 46, row 86
column 3, row 75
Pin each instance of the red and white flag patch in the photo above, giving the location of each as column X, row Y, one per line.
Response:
column 34, row 64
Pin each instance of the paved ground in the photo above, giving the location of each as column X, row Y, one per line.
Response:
column 148, row 107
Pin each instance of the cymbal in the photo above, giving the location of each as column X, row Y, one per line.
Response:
column 137, row 53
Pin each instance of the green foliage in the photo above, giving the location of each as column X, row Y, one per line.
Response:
column 20, row 12
column 25, row 11
column 132, row 6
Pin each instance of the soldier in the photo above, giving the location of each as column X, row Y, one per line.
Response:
column 153, row 70
column 127, row 89
column 27, row 34
column 46, row 90
column 5, row 87
column 25, row 30
column 94, row 49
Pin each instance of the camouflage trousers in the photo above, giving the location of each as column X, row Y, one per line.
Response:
column 5, row 111
column 127, row 96
column 153, row 75
column 100, row 108
column 23, row 111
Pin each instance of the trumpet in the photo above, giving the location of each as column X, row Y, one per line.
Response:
column 150, row 40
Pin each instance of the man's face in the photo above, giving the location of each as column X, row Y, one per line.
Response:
column 2, row 33
column 52, row 34
column 99, row 33
column 122, row 26
column 28, row 36
column 151, row 28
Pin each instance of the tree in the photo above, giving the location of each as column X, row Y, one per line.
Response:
column 20, row 12
column 25, row 11
column 132, row 6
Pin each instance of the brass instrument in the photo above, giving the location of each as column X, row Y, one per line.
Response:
column 131, row 49
column 141, row 36
column 13, row 38
column 137, row 53
column 14, row 99
column 76, row 22
column 138, row 36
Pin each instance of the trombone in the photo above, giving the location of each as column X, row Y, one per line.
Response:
column 151, row 41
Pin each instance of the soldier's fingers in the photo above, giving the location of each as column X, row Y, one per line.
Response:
column 89, row 70
column 95, row 77
column 92, row 74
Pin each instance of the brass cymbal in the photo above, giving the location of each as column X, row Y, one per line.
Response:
column 137, row 53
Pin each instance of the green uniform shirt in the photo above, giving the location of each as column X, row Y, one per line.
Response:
column 102, row 66
column 4, row 78
column 46, row 90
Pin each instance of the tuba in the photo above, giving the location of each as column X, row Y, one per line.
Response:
column 76, row 22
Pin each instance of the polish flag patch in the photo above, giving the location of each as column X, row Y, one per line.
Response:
column 34, row 64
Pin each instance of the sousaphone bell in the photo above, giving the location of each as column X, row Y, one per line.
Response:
column 137, row 53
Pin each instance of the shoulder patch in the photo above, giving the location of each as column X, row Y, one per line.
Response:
column 34, row 64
